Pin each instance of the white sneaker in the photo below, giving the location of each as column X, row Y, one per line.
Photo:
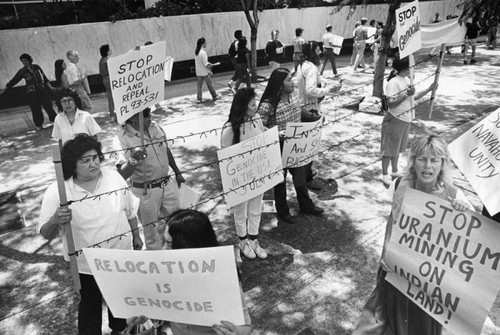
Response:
column 246, row 249
column 396, row 174
column 261, row 253
column 387, row 180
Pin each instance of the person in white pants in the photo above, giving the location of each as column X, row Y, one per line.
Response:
column 244, row 123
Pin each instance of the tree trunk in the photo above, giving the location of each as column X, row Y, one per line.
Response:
column 389, row 28
column 253, row 21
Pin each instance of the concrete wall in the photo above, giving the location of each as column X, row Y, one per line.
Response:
column 46, row 44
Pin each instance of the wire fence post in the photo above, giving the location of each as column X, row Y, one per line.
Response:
column 436, row 79
column 56, row 154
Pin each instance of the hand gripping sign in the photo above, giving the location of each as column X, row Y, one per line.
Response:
column 137, row 79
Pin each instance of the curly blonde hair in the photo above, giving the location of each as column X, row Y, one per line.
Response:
column 433, row 146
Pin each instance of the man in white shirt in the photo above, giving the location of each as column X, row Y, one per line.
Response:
column 77, row 80
column 360, row 37
column 328, row 45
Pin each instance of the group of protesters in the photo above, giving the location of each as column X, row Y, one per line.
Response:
column 144, row 162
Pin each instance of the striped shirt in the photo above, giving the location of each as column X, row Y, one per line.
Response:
column 286, row 111
column 94, row 220
column 84, row 123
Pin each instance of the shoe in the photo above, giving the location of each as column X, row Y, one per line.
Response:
column 199, row 101
column 396, row 174
column 465, row 62
column 473, row 61
column 337, row 75
column 246, row 249
column 387, row 180
column 315, row 211
column 261, row 253
column 38, row 128
column 314, row 185
column 287, row 218
column 218, row 96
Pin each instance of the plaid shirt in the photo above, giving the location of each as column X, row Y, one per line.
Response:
column 286, row 111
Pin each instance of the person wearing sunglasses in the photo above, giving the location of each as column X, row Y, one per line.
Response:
column 147, row 168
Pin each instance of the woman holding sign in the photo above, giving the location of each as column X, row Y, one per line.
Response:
column 245, row 123
column 188, row 228
column 279, row 105
column 388, row 311
column 397, row 120
column 92, row 221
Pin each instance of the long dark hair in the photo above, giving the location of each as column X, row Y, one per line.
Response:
column 309, row 53
column 272, row 92
column 58, row 69
column 191, row 229
column 199, row 44
column 238, row 110
column 74, row 149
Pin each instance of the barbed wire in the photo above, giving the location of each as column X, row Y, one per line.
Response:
column 169, row 177
column 205, row 133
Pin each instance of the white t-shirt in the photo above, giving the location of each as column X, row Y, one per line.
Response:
column 94, row 220
column 327, row 39
column 84, row 123
column 201, row 61
column 398, row 85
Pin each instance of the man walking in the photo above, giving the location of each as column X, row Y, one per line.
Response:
column 328, row 45
column 77, row 80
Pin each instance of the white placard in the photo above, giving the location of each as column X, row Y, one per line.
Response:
column 408, row 29
column 169, row 64
column 254, row 168
column 302, row 143
column 188, row 197
column 195, row 286
column 137, row 79
column 477, row 155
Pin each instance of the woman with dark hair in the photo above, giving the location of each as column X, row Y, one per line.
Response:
column 188, row 228
column 312, row 88
column 203, row 70
column 388, row 311
column 38, row 90
column 397, row 120
column 245, row 123
column 105, row 52
column 91, row 221
column 72, row 120
column 242, row 64
column 61, row 81
column 279, row 105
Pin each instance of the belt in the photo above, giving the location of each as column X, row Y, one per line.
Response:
column 151, row 185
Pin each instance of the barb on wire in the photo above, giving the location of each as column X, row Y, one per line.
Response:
column 97, row 196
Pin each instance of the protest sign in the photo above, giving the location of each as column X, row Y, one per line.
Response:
column 337, row 40
column 254, row 168
column 137, row 79
column 194, row 286
column 169, row 65
column 408, row 29
column 302, row 143
column 445, row 261
column 477, row 155
column 371, row 32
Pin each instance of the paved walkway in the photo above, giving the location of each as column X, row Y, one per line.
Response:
column 320, row 271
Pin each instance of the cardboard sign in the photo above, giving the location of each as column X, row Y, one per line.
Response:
column 188, row 197
column 255, row 171
column 302, row 143
column 408, row 29
column 337, row 40
column 137, row 79
column 194, row 286
column 445, row 261
column 169, row 65
column 477, row 155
